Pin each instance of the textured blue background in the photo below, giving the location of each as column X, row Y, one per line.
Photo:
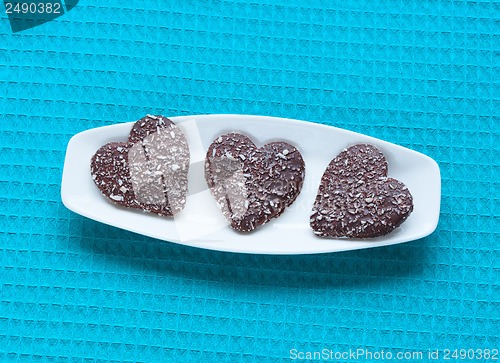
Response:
column 423, row 74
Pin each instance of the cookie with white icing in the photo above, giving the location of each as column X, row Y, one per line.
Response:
column 148, row 171
column 357, row 199
column 253, row 185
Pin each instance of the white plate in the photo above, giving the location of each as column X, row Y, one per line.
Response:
column 201, row 223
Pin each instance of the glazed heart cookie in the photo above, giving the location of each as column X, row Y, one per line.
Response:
column 147, row 172
column 252, row 185
column 356, row 199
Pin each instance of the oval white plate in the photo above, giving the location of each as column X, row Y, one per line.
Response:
column 201, row 223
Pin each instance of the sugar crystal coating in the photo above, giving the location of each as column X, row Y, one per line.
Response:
column 253, row 185
column 356, row 199
column 147, row 172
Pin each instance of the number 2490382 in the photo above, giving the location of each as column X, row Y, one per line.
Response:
column 33, row 8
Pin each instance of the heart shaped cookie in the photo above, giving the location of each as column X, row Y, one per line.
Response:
column 252, row 185
column 147, row 172
column 356, row 199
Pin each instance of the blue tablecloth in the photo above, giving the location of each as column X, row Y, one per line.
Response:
column 422, row 74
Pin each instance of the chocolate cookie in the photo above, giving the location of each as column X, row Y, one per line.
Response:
column 252, row 185
column 147, row 172
column 356, row 199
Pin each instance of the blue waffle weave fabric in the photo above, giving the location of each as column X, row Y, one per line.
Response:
column 422, row 74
